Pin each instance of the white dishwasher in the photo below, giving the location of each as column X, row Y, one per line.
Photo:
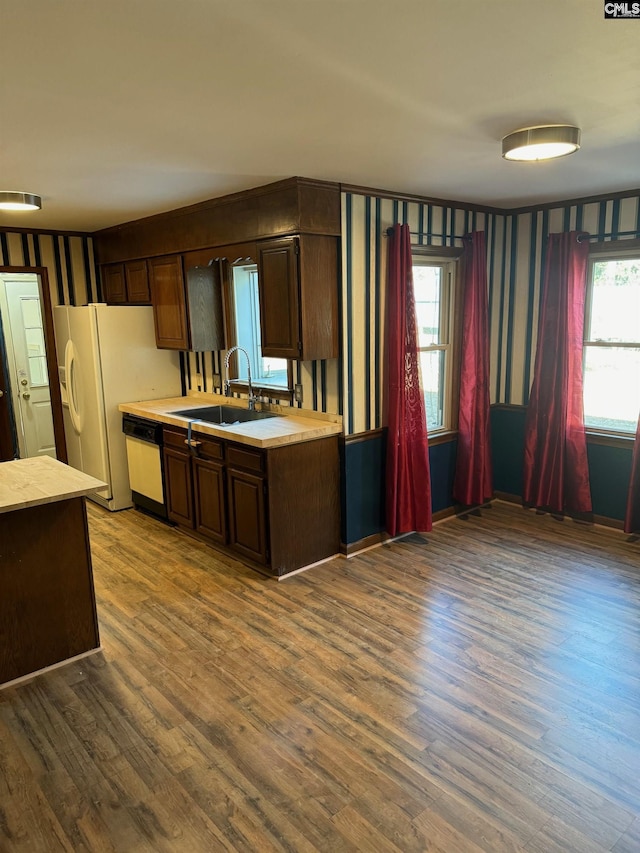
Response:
column 144, row 460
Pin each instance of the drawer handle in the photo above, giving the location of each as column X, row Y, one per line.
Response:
column 191, row 442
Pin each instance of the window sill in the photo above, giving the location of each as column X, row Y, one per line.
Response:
column 443, row 436
column 270, row 391
column 610, row 439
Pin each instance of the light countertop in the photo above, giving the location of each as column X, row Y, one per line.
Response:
column 41, row 480
column 278, row 431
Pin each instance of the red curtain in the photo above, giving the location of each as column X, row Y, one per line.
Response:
column 408, row 500
column 632, row 519
column 556, row 472
column 473, row 483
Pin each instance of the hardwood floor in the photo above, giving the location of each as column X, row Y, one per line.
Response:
column 476, row 691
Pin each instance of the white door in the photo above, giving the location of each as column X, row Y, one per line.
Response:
column 28, row 365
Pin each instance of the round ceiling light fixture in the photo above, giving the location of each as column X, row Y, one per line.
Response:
column 10, row 200
column 541, row 143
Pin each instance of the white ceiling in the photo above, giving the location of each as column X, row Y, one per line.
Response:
column 115, row 109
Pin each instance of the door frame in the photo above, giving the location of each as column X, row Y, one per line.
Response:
column 8, row 438
column 52, row 358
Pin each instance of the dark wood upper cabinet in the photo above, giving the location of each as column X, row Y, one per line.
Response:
column 298, row 280
column 293, row 206
column 290, row 228
column 203, row 289
column 279, row 303
column 137, row 282
column 235, row 253
column 126, row 284
column 114, row 288
column 187, row 304
column 168, row 300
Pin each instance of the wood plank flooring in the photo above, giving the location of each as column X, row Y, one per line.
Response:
column 475, row 690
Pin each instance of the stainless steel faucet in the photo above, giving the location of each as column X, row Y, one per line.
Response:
column 227, row 381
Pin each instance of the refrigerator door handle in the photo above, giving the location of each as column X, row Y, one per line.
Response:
column 70, row 371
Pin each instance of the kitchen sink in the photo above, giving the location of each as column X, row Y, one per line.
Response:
column 223, row 415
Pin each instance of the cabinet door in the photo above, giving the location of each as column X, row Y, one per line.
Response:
column 203, row 286
column 114, row 289
column 137, row 280
column 279, row 297
column 167, row 297
column 318, row 271
column 208, row 488
column 247, row 515
column 178, row 486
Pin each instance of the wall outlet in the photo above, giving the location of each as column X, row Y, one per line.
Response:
column 297, row 393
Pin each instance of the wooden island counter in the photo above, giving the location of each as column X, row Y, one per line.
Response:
column 47, row 600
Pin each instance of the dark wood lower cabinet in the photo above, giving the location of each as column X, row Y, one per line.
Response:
column 247, row 511
column 178, row 486
column 304, row 503
column 210, row 501
column 47, row 599
column 277, row 509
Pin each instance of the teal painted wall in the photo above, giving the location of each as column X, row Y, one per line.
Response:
column 609, row 475
column 363, row 490
column 507, row 447
column 609, row 467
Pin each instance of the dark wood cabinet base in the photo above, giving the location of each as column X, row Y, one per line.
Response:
column 276, row 510
column 47, row 600
column 304, row 503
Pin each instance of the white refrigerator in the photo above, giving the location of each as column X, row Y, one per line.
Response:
column 107, row 355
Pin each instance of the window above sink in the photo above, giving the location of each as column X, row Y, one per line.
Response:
column 270, row 375
column 266, row 372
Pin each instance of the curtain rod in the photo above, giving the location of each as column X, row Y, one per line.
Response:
column 389, row 232
column 582, row 237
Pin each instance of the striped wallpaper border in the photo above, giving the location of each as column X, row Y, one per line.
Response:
column 68, row 258
column 365, row 219
column 515, row 281
column 516, row 256
column 353, row 386
column 319, row 380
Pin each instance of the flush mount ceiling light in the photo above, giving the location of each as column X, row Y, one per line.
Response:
column 541, row 143
column 19, row 201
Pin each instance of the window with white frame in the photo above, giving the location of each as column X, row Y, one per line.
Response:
column 612, row 343
column 265, row 372
column 433, row 285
